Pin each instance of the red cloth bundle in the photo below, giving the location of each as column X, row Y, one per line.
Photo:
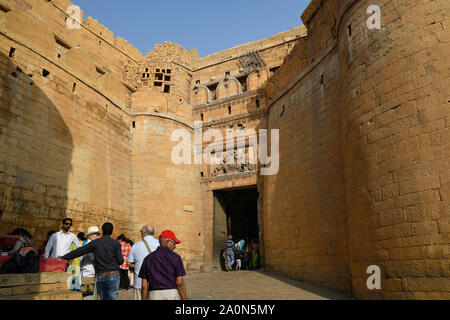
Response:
column 3, row 259
column 52, row 265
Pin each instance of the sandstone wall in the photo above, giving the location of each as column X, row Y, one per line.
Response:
column 165, row 194
column 364, row 138
column 304, row 209
column 280, row 39
column 65, row 132
column 163, row 78
column 367, row 164
column 226, row 97
column 273, row 51
column 395, row 121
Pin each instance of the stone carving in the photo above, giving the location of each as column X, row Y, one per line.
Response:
column 237, row 166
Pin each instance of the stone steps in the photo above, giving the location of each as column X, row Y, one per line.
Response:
column 37, row 286
column 52, row 295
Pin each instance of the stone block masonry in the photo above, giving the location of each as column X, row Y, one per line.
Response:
column 86, row 123
column 368, row 113
column 37, row 286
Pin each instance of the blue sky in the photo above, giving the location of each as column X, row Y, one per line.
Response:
column 209, row 26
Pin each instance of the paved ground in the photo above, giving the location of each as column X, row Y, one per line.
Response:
column 248, row 285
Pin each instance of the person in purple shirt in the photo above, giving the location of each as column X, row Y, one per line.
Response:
column 162, row 271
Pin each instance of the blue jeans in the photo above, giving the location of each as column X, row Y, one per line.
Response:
column 230, row 258
column 108, row 287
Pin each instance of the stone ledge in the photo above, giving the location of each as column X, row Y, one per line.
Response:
column 37, row 286
column 230, row 177
column 56, row 295
column 29, row 289
column 10, row 280
column 229, row 99
column 236, row 117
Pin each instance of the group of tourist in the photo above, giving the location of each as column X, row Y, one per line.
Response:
column 242, row 255
column 158, row 270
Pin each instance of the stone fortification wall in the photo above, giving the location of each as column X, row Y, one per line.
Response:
column 366, row 169
column 65, row 130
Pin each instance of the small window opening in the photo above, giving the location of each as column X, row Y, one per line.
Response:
column 227, row 74
column 166, row 89
column 349, row 28
column 157, row 84
column 12, row 52
column 282, row 111
column 74, row 87
column 143, row 75
column 148, row 75
column 163, row 70
column 134, row 124
column 158, row 76
column 257, row 103
column 158, row 70
column 197, row 82
column 45, row 73
column 202, row 174
column 146, row 69
column 321, row 78
column 229, row 109
column 202, row 116
column 273, row 70
column 62, row 43
column 59, row 55
column 167, row 78
column 4, row 9
column 100, row 71
column 168, row 71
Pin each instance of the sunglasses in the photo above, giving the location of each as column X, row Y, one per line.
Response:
column 68, row 224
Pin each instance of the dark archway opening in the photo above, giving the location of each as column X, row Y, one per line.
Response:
column 235, row 213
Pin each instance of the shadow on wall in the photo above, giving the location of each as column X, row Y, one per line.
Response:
column 35, row 153
column 305, row 235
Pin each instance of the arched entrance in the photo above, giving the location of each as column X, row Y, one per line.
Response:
column 235, row 213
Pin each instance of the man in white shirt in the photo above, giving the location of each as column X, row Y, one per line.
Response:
column 59, row 243
column 138, row 253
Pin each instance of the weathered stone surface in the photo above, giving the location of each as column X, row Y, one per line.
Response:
column 56, row 295
column 86, row 124
column 7, row 280
column 39, row 286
